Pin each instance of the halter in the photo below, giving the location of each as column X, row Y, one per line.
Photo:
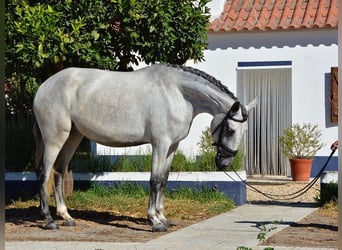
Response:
column 222, row 150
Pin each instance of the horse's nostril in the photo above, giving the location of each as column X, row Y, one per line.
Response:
column 218, row 163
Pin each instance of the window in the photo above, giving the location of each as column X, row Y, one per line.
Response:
column 271, row 82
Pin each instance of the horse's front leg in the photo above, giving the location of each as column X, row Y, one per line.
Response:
column 153, row 213
column 160, row 172
column 160, row 207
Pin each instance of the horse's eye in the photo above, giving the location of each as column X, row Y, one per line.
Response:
column 230, row 131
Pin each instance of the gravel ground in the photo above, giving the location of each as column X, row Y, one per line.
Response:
column 319, row 229
column 280, row 187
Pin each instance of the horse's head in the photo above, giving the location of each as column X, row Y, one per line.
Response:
column 227, row 131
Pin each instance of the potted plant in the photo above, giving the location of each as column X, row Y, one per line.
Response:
column 300, row 144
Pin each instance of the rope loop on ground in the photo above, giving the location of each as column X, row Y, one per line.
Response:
column 286, row 197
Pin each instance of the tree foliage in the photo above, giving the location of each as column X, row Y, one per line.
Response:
column 43, row 37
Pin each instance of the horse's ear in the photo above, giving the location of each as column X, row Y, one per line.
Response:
column 252, row 104
column 235, row 107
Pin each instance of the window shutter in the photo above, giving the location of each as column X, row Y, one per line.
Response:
column 334, row 94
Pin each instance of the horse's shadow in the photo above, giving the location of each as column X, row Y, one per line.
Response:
column 106, row 218
column 259, row 224
column 31, row 216
column 285, row 203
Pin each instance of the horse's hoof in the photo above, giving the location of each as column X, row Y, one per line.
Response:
column 168, row 223
column 159, row 228
column 51, row 226
column 69, row 223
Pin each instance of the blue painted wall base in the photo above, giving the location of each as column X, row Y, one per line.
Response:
column 319, row 161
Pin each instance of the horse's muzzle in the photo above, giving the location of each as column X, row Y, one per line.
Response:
column 224, row 156
column 221, row 163
column 218, row 163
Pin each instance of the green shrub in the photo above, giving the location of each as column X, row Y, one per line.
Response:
column 301, row 141
column 203, row 195
column 84, row 162
column 206, row 161
column 19, row 142
column 137, row 163
column 237, row 163
column 181, row 163
column 328, row 194
column 125, row 189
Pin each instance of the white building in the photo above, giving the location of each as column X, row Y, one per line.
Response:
column 282, row 52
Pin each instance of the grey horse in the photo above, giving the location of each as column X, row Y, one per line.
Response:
column 154, row 105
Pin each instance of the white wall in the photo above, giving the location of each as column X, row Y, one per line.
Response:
column 312, row 54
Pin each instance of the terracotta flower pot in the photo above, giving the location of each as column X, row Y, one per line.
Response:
column 301, row 169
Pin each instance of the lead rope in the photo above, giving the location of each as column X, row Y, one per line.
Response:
column 291, row 196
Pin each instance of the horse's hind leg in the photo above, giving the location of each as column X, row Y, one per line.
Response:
column 52, row 146
column 43, row 175
column 39, row 148
column 61, row 166
column 50, row 154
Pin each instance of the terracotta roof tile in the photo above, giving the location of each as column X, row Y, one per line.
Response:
column 240, row 15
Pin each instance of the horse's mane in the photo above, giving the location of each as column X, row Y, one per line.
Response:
column 207, row 77
column 212, row 80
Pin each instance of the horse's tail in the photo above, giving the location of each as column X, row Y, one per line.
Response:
column 39, row 157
